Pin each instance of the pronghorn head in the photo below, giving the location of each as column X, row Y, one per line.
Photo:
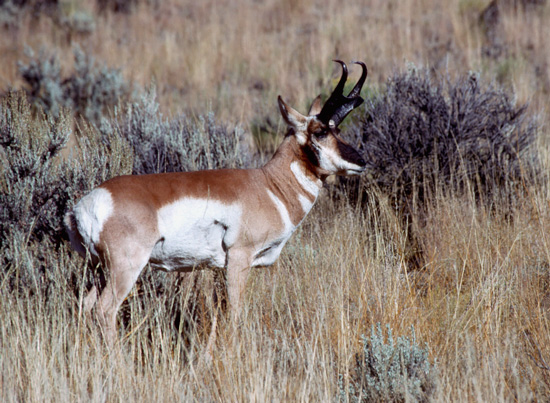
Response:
column 318, row 133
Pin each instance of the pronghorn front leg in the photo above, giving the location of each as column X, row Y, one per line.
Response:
column 238, row 268
column 219, row 293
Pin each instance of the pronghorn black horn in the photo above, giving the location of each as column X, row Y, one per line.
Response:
column 339, row 90
column 338, row 105
column 357, row 89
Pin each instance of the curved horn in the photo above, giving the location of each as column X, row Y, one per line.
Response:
column 338, row 105
column 357, row 89
column 337, row 96
column 339, row 90
column 340, row 114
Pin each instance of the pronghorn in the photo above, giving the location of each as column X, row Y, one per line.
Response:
column 229, row 219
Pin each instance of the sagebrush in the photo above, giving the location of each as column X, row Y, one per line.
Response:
column 389, row 370
column 38, row 184
column 425, row 131
column 90, row 91
column 176, row 144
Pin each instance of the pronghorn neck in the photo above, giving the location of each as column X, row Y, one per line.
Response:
column 290, row 152
column 291, row 178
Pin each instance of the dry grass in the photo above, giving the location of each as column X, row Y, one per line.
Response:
column 237, row 56
column 481, row 303
column 481, row 306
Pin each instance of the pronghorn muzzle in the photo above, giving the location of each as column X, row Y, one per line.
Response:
column 351, row 155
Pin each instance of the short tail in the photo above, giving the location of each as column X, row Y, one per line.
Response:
column 75, row 237
column 70, row 221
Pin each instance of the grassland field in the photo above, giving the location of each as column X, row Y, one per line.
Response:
column 480, row 302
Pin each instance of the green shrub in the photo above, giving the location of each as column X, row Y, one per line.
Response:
column 390, row 370
column 178, row 144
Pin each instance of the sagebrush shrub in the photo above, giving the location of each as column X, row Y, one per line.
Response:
column 37, row 184
column 388, row 370
column 29, row 172
column 422, row 132
column 121, row 6
column 90, row 90
column 42, row 75
column 177, row 144
column 11, row 11
column 77, row 22
column 9, row 14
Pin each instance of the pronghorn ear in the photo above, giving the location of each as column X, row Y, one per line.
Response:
column 294, row 118
column 316, row 106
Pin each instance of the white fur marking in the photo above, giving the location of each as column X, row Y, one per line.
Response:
column 283, row 212
column 306, row 203
column 333, row 162
column 270, row 252
column 195, row 231
column 91, row 212
column 301, row 138
column 311, row 186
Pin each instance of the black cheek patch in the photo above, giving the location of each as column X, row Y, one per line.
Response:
column 311, row 155
column 350, row 154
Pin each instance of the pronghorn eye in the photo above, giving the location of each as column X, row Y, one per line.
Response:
column 321, row 134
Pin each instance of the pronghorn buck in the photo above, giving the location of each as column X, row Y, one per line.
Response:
column 229, row 219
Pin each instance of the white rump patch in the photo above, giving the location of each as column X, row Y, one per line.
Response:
column 91, row 212
column 195, row 232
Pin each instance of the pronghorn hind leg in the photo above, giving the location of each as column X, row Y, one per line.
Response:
column 122, row 276
column 98, row 285
column 89, row 300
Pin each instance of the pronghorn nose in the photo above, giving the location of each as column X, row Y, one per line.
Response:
column 361, row 162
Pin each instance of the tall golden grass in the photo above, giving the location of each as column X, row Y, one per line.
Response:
column 481, row 303
column 237, row 56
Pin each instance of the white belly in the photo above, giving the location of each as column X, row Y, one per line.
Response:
column 195, row 232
